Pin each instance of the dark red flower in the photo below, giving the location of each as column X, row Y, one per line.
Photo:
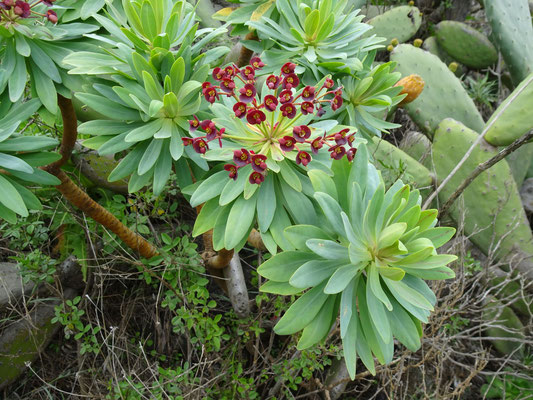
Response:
column 256, row 63
column 258, row 162
column 338, row 92
column 288, row 110
column 255, row 117
column 210, row 94
column 248, row 93
column 288, row 68
column 256, row 177
column 232, row 169
column 291, row 81
column 227, row 85
column 336, row 103
column 205, row 85
column 287, row 143
column 3, row 6
column 329, row 83
column 9, row 3
column 350, row 154
column 303, row 158
column 301, row 133
column 337, row 152
column 194, row 124
column 241, row 157
column 273, row 82
column 271, row 102
column 307, row 108
column 317, row 144
column 340, row 137
column 230, row 71
column 51, row 16
column 22, row 9
column 187, row 141
column 49, row 3
column 209, row 127
column 286, row 96
column 219, row 74
column 239, row 109
column 200, row 145
column 308, row 94
column 248, row 73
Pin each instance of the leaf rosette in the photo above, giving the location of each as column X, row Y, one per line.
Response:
column 31, row 47
column 366, row 259
column 20, row 157
column 319, row 36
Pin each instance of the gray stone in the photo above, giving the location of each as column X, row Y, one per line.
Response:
column 22, row 341
column 11, row 285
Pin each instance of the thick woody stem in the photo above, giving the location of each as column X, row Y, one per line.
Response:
column 78, row 197
column 70, row 132
column 81, row 200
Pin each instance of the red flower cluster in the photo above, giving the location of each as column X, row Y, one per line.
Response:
column 12, row 9
column 248, row 105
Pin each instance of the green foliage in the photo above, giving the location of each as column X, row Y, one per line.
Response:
column 20, row 170
column 374, row 247
column 368, row 96
column 508, row 387
column 36, row 267
column 71, row 317
column 481, row 90
column 316, row 35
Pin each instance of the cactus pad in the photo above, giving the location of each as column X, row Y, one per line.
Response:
column 443, row 96
column 517, row 117
column 400, row 23
column 466, row 45
column 492, row 203
column 513, row 35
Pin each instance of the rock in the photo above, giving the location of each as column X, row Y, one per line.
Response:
column 337, row 373
column 11, row 285
column 526, row 193
column 22, row 341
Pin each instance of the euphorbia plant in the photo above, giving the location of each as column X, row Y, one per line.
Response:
column 366, row 261
column 267, row 137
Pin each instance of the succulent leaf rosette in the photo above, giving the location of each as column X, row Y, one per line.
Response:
column 147, row 115
column 20, row 157
column 150, row 28
column 268, row 140
column 32, row 45
column 368, row 97
column 248, row 10
column 366, row 260
column 318, row 35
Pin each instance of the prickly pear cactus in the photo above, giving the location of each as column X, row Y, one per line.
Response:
column 513, row 34
column 393, row 161
column 418, row 146
column 465, row 44
column 400, row 23
column 516, row 117
column 443, row 96
column 431, row 45
column 492, row 203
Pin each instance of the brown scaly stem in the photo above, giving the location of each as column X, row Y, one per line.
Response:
column 78, row 197
column 81, row 200
column 246, row 54
column 70, row 132
column 212, row 259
